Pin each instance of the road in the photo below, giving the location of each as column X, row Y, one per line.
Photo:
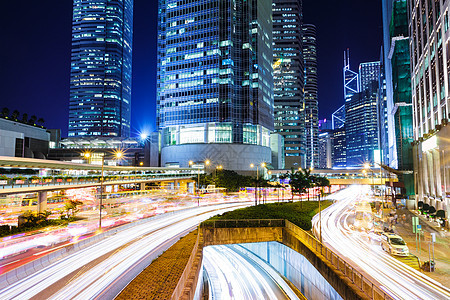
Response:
column 103, row 269
column 236, row 273
column 395, row 278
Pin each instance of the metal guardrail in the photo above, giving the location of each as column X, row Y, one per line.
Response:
column 364, row 284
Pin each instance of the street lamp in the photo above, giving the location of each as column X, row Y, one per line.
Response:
column 263, row 165
column 118, row 154
column 367, row 167
column 206, row 163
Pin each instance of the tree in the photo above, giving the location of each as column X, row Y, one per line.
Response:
column 15, row 114
column 71, row 208
column 25, row 118
column 298, row 182
column 32, row 120
column 41, row 122
column 5, row 112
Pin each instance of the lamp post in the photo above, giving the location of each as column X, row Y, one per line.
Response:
column 206, row 163
column 117, row 155
column 367, row 167
column 263, row 165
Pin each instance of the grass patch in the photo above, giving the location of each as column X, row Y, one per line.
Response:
column 299, row 213
column 159, row 280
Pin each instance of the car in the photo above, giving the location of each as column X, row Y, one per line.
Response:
column 394, row 244
column 363, row 217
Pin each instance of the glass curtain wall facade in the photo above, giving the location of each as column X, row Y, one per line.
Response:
column 311, row 96
column 430, row 66
column 351, row 78
column 101, row 61
column 289, row 79
column 361, row 121
column 215, row 76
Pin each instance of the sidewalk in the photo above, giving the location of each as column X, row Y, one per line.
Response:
column 441, row 247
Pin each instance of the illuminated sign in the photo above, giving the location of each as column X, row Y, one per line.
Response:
column 430, row 144
column 377, row 156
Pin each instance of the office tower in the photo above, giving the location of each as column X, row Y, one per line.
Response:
column 383, row 130
column 215, row 82
column 311, row 96
column 368, row 73
column 398, row 89
column 289, row 79
column 100, row 79
column 361, row 121
column 325, row 149
column 338, row 118
column 351, row 78
column 430, row 67
column 339, row 154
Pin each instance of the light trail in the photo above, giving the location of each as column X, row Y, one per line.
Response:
column 124, row 250
column 396, row 278
column 236, row 273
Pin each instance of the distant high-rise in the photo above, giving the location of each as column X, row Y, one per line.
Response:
column 100, row 79
column 215, row 82
column 351, row 78
column 368, row 73
column 289, row 79
column 361, row 121
column 339, row 155
column 311, row 96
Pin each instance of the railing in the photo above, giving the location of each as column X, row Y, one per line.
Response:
column 243, row 223
column 19, row 183
column 364, row 284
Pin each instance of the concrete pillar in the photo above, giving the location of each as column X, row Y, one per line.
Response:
column 42, row 202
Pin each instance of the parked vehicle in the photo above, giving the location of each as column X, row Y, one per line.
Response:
column 394, row 244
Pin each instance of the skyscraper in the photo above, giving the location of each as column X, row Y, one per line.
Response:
column 289, row 79
column 100, row 79
column 351, row 78
column 311, row 96
column 361, row 121
column 398, row 89
column 215, row 82
column 430, row 67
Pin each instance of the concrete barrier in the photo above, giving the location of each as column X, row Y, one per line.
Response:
column 338, row 273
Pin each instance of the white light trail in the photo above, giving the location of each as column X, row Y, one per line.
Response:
column 396, row 278
column 142, row 239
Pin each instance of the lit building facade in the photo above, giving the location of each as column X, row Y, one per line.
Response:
column 325, row 149
column 430, row 66
column 351, row 78
column 398, row 90
column 289, row 79
column 100, row 79
column 361, row 121
column 215, row 82
column 339, row 155
column 311, row 96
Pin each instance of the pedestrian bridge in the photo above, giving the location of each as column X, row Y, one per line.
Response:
column 343, row 277
column 362, row 176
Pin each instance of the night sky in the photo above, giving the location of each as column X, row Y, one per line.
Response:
column 36, row 42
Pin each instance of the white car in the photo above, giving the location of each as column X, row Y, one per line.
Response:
column 394, row 244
